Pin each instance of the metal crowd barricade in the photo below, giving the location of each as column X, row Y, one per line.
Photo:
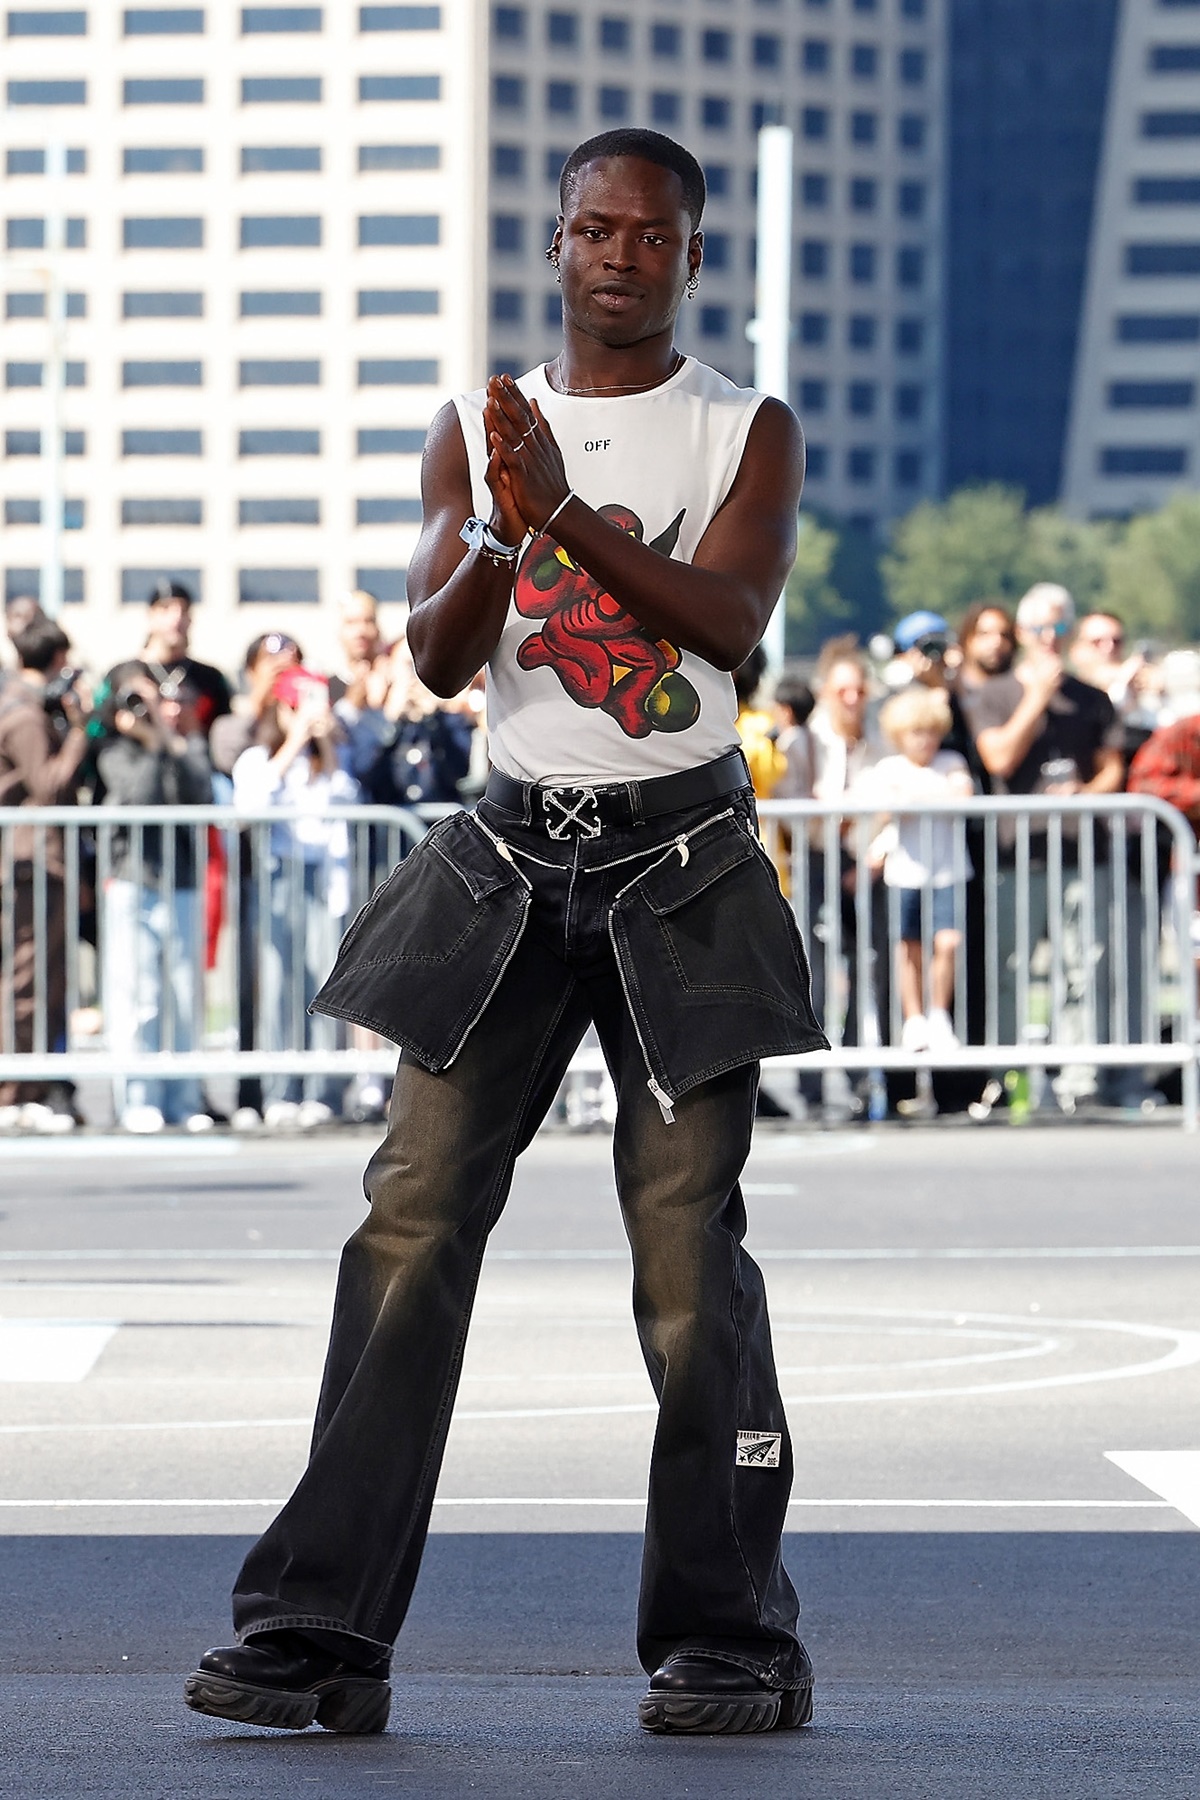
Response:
column 1076, row 943
column 166, row 943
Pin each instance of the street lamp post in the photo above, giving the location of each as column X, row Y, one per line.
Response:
column 770, row 330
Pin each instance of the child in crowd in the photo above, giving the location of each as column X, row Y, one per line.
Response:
column 921, row 854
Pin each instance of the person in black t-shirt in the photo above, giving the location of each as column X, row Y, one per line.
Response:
column 166, row 652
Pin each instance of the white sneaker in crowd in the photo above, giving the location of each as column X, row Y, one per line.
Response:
column 10, row 1118
column 282, row 1115
column 312, row 1114
column 44, row 1120
column 198, row 1122
column 940, row 1030
column 246, row 1118
column 142, row 1120
column 915, row 1034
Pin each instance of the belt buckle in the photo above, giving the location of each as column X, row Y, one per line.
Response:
column 572, row 813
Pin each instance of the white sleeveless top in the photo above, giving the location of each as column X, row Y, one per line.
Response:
column 577, row 691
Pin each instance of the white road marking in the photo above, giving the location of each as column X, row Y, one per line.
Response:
column 51, row 1349
column 527, row 1500
column 1175, row 1474
column 845, row 1253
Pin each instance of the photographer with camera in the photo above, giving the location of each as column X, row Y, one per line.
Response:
column 155, row 754
column 42, row 748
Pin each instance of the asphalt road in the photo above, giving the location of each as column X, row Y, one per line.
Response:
column 969, row 1324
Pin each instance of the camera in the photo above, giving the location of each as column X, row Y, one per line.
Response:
column 129, row 700
column 54, row 692
column 934, row 647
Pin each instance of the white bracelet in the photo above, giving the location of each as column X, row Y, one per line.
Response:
column 569, row 495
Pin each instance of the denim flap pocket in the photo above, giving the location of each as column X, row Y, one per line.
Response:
column 712, row 960
column 426, row 953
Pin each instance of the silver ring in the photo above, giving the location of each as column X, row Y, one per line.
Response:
column 529, row 433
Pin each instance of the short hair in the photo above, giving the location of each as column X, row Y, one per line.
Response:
column 39, row 644
column 915, row 706
column 1101, row 612
column 273, row 641
column 165, row 590
column 973, row 614
column 648, row 146
column 794, row 692
column 1046, row 593
column 356, row 597
column 838, row 650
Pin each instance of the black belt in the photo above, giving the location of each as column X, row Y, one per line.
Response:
column 575, row 808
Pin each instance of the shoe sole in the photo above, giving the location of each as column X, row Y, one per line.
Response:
column 701, row 1713
column 353, row 1707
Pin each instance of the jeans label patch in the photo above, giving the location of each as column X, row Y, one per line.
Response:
column 758, row 1449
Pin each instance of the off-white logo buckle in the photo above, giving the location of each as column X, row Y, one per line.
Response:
column 572, row 813
column 758, row 1449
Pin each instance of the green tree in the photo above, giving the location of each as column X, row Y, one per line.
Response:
column 1154, row 572
column 947, row 554
column 1075, row 552
column 815, row 608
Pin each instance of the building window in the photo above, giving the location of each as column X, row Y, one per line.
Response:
column 399, row 228
column 814, row 56
column 282, row 305
column 162, row 512
column 508, row 24
column 46, row 93
column 866, row 6
column 298, row 231
column 814, row 396
column 816, row 462
column 552, row 309
column 664, row 108
column 162, row 306
column 22, row 512
column 562, row 30
column 412, row 371
column 714, row 113
column 765, row 112
column 862, row 262
column 164, row 21
column 267, row 442
column 386, row 510
column 33, row 162
column 24, row 234
column 1171, row 124
column 279, row 512
column 814, row 123
column 1174, row 59
column 22, row 443
column 814, row 328
column 279, row 372
column 910, row 131
column 1167, row 190
column 814, row 258
column 716, row 180
column 861, row 331
column 1158, row 328
column 614, row 35
column 1156, row 394
column 24, row 306
column 766, row 51
column 1144, row 459
column 562, row 97
column 508, row 306
column 150, row 159
column 910, row 199
column 863, row 194
column 614, row 103
column 294, row 586
column 508, row 92
column 907, row 467
column 860, row 399
column 375, row 303
column 860, row 465
column 271, row 90
column 281, row 159
column 162, row 443
column 716, row 250
column 714, row 321
column 666, row 40
column 508, row 162
column 137, row 585
column 864, row 127
column 29, row 581
column 188, row 91
column 399, row 156
column 910, row 266
column 909, row 400
column 391, row 441
column 814, row 190
column 1162, row 259
column 399, row 87
column 74, row 374
column 389, row 586
column 716, row 46
column 48, row 24
column 864, row 61
column 280, row 18
column 23, row 374
column 161, row 374
column 399, row 18
column 910, row 336
column 553, row 166
column 912, row 9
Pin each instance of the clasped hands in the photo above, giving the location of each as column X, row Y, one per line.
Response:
column 525, row 471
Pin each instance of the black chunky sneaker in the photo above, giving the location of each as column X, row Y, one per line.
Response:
column 283, row 1679
column 698, row 1693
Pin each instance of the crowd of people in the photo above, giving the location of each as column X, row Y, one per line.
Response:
column 165, row 729
column 1030, row 700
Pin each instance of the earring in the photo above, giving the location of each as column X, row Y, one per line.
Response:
column 552, row 255
column 693, row 284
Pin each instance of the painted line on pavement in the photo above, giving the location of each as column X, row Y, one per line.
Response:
column 895, row 1253
column 523, row 1500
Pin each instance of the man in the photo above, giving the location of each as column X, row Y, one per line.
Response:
column 1040, row 730
column 37, row 768
column 1132, row 684
column 612, row 874
column 166, row 651
column 987, row 641
column 364, row 653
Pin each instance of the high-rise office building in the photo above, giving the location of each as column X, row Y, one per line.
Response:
column 290, row 232
column 1134, row 430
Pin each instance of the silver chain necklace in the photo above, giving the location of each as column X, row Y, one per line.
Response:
column 628, row 387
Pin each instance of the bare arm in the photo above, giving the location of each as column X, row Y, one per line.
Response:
column 1109, row 777
column 717, row 605
column 1003, row 748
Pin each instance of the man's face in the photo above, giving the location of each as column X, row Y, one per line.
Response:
column 845, row 695
column 627, row 249
column 1100, row 641
column 359, row 633
column 170, row 625
column 19, row 614
column 1043, row 628
column 991, row 646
